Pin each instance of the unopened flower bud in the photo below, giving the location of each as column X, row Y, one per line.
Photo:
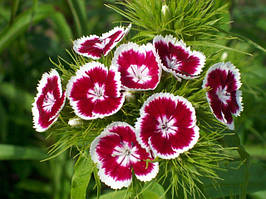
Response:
column 74, row 122
column 224, row 56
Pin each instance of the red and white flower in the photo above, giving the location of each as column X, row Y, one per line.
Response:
column 167, row 125
column 49, row 101
column 177, row 58
column 94, row 92
column 94, row 46
column 140, row 66
column 224, row 96
column 116, row 152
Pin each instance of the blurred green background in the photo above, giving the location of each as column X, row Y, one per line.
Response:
column 32, row 31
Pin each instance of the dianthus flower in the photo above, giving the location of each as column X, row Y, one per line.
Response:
column 94, row 92
column 49, row 101
column 177, row 58
column 223, row 95
column 94, row 46
column 116, row 152
column 167, row 125
column 140, row 66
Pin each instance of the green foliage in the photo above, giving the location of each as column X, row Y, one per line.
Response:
column 10, row 152
column 81, row 177
column 32, row 31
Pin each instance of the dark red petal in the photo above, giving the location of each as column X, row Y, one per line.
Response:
column 108, row 106
column 89, row 47
column 162, row 146
column 185, row 139
column 113, row 84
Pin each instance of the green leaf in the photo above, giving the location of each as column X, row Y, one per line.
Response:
column 81, row 178
column 122, row 194
column 233, row 180
column 11, row 152
column 153, row 190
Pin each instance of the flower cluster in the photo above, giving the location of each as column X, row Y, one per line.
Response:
column 166, row 126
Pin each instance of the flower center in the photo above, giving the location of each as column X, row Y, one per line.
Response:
column 166, row 126
column 48, row 102
column 97, row 93
column 173, row 63
column 222, row 94
column 126, row 154
column 139, row 74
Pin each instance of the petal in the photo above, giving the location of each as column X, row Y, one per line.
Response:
column 113, row 84
column 184, row 113
column 185, row 139
column 145, row 172
column 140, row 66
column 89, row 46
column 162, row 147
column 49, row 101
column 108, row 106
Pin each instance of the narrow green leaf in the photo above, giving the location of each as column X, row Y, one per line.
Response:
column 81, row 178
column 11, row 152
column 75, row 16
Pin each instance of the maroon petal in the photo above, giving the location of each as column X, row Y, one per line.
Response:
column 145, row 171
column 90, row 46
column 162, row 147
column 140, row 66
column 94, row 92
column 49, row 101
column 177, row 58
column 163, row 116
column 185, row 139
column 224, row 96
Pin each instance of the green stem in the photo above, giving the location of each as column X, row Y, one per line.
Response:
column 14, row 9
column 75, row 16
